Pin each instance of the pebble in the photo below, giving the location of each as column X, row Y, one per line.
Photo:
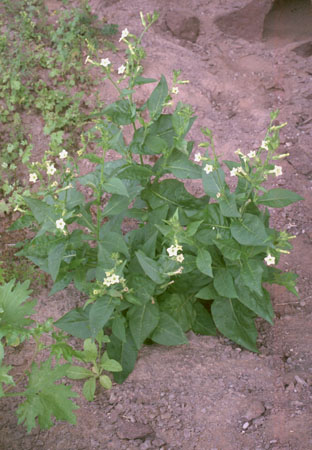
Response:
column 246, row 425
column 255, row 409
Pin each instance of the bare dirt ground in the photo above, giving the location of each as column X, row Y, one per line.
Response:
column 243, row 59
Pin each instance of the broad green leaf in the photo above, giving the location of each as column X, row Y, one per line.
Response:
column 229, row 248
column 180, row 309
column 113, row 242
column 115, row 186
column 39, row 209
column 118, row 328
column 157, row 99
column 105, row 381
column 207, row 293
column 182, row 167
column 120, row 112
column 61, row 283
column 249, row 231
column 55, row 257
column 15, row 307
column 78, row 373
column 137, row 172
column 141, row 80
column 168, row 331
column 251, row 274
column 110, row 364
column 76, row 322
column 259, row 304
column 236, row 322
column 4, row 377
column 88, row 389
column 203, row 262
column 143, row 288
column 278, row 198
column 213, row 182
column 123, row 352
column 90, row 351
column 142, row 321
column 153, row 145
column 223, row 283
column 151, row 268
column 228, row 205
column 117, row 204
column 203, row 323
column 287, row 279
column 100, row 313
column 45, row 399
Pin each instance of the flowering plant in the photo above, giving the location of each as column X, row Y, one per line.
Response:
column 186, row 263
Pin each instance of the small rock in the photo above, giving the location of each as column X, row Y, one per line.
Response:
column 245, row 425
column 256, row 409
column 128, row 430
column 182, row 25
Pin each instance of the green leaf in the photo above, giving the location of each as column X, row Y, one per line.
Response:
column 229, row 248
column 16, row 310
column 110, row 364
column 236, row 322
column 88, row 389
column 39, row 209
column 142, row 321
column 259, row 304
column 120, row 112
column 223, row 283
column 228, row 206
column 76, row 323
column 251, row 274
column 113, row 242
column 182, row 167
column 287, row 279
column 45, row 399
column 123, row 352
column 78, row 373
column 55, row 257
column 118, row 328
column 203, row 323
column 157, row 99
column 168, row 331
column 116, row 205
column 153, row 145
column 105, row 381
column 141, row 80
column 4, row 377
column 115, row 186
column 249, row 231
column 90, row 351
column 278, row 198
column 100, row 313
column 203, row 262
column 213, row 182
column 151, row 268
column 180, row 309
column 207, row 293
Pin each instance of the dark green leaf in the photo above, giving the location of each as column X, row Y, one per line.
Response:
column 113, row 242
column 76, row 323
column 100, row 313
column 142, row 321
column 78, row 373
column 88, row 389
column 157, row 99
column 213, row 182
column 182, row 167
column 228, row 205
column 119, row 329
column 259, row 304
column 120, row 112
column 55, row 257
column 115, row 186
column 223, row 283
column 249, row 231
column 203, row 323
column 229, row 248
column 251, row 274
column 151, row 268
column 236, row 322
column 278, row 198
column 203, row 262
column 123, row 352
column 116, row 205
column 180, row 309
column 141, row 80
column 168, row 331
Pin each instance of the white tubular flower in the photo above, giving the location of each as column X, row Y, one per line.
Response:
column 87, row 59
column 208, row 168
column 264, row 145
column 63, row 154
column 105, row 62
column 51, row 169
column 180, row 258
column 251, row 154
column 269, row 260
column 197, row 157
column 60, row 224
column 121, row 69
column 54, row 184
column 277, row 171
column 175, row 90
column 234, row 172
column 33, row 177
column 112, row 279
column 218, row 194
column 172, row 251
column 179, row 271
column 124, row 34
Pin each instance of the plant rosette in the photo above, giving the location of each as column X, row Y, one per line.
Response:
column 189, row 263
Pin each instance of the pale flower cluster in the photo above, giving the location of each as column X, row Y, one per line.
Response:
column 173, row 253
column 111, row 279
column 124, row 34
column 235, row 171
column 270, row 260
column 60, row 224
column 51, row 169
column 33, row 177
column 63, row 154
